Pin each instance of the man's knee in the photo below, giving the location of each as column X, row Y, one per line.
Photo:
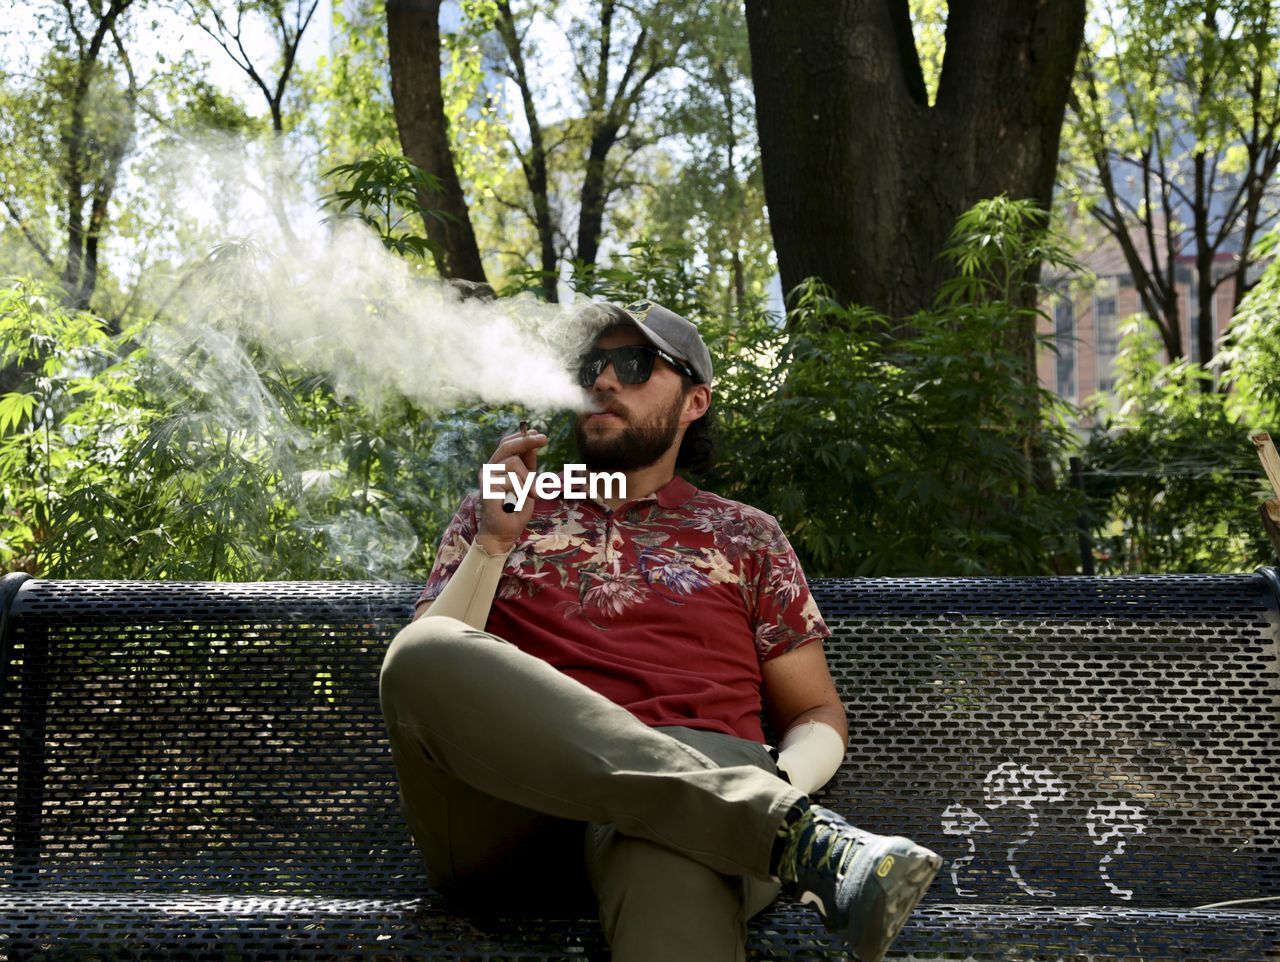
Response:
column 424, row 657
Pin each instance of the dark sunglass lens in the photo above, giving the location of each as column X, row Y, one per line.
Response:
column 639, row 364
column 591, row 367
column 629, row 363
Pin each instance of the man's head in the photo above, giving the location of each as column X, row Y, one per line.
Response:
column 649, row 372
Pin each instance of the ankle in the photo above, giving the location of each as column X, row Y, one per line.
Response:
column 786, row 836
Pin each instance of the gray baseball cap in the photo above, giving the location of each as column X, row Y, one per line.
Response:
column 668, row 331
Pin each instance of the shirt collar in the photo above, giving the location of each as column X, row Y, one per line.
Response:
column 675, row 492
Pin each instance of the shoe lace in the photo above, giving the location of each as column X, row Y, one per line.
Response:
column 818, row 844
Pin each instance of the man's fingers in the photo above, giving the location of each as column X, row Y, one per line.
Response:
column 517, row 444
column 512, row 474
column 515, row 466
column 517, row 455
column 515, row 435
column 522, row 446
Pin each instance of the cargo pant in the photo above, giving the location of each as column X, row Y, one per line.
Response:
column 518, row 781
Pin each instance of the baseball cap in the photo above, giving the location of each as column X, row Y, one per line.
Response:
column 668, row 331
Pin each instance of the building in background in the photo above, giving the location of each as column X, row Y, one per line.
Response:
column 1085, row 322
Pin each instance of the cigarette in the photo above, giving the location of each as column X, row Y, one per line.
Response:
column 509, row 499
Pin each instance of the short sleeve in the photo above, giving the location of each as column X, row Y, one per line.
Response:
column 785, row 616
column 454, row 544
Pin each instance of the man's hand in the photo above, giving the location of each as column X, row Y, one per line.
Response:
column 497, row 530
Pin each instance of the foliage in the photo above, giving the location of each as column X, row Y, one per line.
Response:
column 647, row 271
column 585, row 132
column 206, row 459
column 1250, row 356
column 477, row 128
column 994, row 246
column 273, row 477
column 881, row 454
column 351, row 89
column 1173, row 481
column 351, row 83
column 125, row 455
column 903, row 455
column 384, row 191
column 75, row 110
column 79, row 410
column 929, row 25
column 709, row 196
column 1173, row 145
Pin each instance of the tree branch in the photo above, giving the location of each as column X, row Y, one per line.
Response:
column 75, row 27
column 601, row 91
column 31, row 238
column 244, row 61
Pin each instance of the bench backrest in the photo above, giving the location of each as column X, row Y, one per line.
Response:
column 1070, row 741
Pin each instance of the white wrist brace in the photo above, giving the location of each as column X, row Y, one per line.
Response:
column 468, row 594
column 810, row 754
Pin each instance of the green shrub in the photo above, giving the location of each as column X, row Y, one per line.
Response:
column 917, row 449
column 925, row 453
column 1250, row 355
column 124, row 462
column 1173, row 479
column 80, row 407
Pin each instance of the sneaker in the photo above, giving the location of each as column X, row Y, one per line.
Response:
column 864, row 885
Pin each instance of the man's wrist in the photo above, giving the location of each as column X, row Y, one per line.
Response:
column 492, row 546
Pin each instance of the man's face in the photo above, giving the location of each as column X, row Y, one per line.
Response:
column 640, row 423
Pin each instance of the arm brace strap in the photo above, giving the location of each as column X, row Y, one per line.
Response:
column 810, row 754
column 468, row 595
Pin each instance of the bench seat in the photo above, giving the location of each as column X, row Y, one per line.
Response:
column 199, row 771
column 82, row 925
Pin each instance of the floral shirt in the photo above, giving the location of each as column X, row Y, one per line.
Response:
column 667, row 606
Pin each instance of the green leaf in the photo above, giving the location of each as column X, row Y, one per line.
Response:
column 15, row 407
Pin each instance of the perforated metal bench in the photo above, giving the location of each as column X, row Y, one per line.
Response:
column 200, row 771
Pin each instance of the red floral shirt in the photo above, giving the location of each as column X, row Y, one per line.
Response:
column 667, row 606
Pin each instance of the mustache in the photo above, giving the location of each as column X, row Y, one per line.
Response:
column 603, row 407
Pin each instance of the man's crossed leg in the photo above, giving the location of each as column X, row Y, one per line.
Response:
column 504, row 761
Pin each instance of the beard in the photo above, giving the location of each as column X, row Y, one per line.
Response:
column 636, row 446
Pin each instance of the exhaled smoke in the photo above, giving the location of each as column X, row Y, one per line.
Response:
column 326, row 294
column 277, row 276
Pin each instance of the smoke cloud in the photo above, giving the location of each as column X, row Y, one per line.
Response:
column 278, row 278
column 325, row 293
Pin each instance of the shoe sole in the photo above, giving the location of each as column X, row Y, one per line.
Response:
column 903, row 887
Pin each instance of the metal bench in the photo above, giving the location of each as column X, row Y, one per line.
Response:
column 200, row 771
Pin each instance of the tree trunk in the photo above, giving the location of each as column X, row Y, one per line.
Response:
column 413, row 38
column 863, row 179
column 595, row 193
column 534, row 164
column 74, row 280
column 97, row 221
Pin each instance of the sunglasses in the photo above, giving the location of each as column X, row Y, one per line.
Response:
column 632, row 364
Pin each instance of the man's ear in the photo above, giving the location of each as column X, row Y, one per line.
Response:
column 696, row 401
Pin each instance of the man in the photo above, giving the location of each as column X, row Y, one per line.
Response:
column 581, row 691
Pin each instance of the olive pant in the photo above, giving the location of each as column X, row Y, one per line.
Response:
column 517, row 781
